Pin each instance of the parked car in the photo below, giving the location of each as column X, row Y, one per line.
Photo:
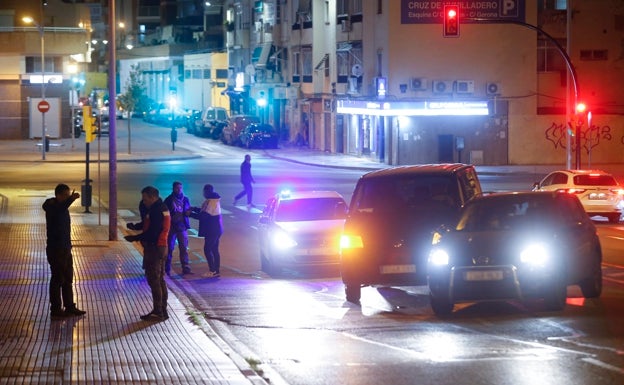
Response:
column 393, row 212
column 259, row 135
column 515, row 246
column 212, row 121
column 191, row 118
column 231, row 133
column 301, row 229
column 599, row 192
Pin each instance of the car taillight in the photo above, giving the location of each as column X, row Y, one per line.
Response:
column 571, row 190
column 618, row 191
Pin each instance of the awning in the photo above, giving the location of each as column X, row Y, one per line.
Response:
column 261, row 54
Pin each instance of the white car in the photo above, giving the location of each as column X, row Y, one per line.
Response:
column 298, row 229
column 598, row 191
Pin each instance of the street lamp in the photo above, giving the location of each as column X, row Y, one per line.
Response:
column 30, row 20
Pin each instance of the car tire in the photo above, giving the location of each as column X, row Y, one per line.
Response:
column 591, row 287
column 442, row 306
column 555, row 298
column 353, row 292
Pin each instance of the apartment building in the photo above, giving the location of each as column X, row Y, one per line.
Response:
column 379, row 79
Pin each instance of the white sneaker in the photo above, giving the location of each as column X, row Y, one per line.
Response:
column 208, row 274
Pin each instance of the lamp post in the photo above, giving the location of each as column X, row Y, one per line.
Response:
column 30, row 20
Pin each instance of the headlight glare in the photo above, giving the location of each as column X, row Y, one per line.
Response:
column 535, row 254
column 283, row 241
column 438, row 257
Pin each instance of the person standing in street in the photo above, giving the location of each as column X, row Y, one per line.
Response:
column 246, row 179
column 210, row 227
column 155, row 228
column 58, row 252
column 180, row 210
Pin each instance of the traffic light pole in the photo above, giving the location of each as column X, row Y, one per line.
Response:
column 562, row 51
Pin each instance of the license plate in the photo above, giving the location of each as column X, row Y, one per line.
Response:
column 598, row 196
column 483, row 275
column 266, row 136
column 320, row 251
column 397, row 269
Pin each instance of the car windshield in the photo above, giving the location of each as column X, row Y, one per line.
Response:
column 311, row 209
column 409, row 193
column 507, row 213
column 595, row 180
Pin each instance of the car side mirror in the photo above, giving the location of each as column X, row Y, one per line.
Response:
column 536, row 186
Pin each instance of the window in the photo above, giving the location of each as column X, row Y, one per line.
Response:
column 347, row 55
column 549, row 59
column 559, row 5
column 594, row 54
column 51, row 64
column 221, row 74
column 306, row 63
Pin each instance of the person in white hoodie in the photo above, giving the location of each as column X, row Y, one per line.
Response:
column 210, row 227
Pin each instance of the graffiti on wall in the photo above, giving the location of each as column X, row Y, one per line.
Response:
column 590, row 136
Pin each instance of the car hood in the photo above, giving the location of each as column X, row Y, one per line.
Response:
column 312, row 227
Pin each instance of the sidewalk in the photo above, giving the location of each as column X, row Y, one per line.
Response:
column 110, row 344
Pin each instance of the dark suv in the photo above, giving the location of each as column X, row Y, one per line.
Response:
column 392, row 216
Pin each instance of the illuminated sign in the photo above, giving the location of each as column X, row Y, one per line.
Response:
column 54, row 79
column 454, row 108
column 432, row 12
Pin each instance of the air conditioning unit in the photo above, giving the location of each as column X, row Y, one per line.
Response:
column 346, row 26
column 418, row 84
column 464, row 86
column 442, row 87
column 492, row 89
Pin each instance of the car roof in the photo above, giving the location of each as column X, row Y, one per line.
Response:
column 308, row 195
column 431, row 169
column 582, row 172
column 520, row 195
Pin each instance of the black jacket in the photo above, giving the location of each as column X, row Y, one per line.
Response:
column 58, row 222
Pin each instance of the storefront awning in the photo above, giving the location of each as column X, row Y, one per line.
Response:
column 432, row 108
column 260, row 55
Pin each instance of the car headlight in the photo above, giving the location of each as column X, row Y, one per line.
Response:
column 282, row 240
column 535, row 254
column 438, row 257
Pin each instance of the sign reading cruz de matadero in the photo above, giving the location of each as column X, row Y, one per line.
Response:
column 432, row 11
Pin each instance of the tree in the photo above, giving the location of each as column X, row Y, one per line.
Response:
column 134, row 98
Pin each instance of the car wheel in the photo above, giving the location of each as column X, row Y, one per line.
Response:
column 442, row 306
column 353, row 292
column 555, row 298
column 591, row 287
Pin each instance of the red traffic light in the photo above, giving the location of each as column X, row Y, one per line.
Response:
column 451, row 21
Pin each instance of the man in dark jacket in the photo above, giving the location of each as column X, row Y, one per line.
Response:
column 154, row 240
column 246, row 179
column 210, row 227
column 58, row 251
column 180, row 210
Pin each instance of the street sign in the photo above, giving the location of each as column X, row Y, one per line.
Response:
column 43, row 106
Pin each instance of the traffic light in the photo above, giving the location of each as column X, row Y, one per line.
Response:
column 88, row 124
column 451, row 21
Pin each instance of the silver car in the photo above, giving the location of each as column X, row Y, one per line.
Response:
column 599, row 192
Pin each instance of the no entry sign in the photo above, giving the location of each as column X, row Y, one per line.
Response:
column 43, row 106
